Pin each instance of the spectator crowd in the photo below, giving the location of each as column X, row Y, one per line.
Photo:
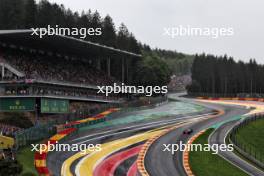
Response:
column 61, row 91
column 8, row 130
column 179, row 82
column 52, row 68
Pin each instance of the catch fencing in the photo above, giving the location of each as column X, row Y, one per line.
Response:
column 245, row 149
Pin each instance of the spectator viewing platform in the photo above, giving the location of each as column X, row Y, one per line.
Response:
column 33, row 66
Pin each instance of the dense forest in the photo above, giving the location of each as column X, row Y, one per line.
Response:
column 223, row 76
column 178, row 63
column 25, row 14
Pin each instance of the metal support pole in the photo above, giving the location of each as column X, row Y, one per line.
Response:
column 123, row 70
column 109, row 67
column 3, row 71
column 36, row 114
column 127, row 73
column 98, row 61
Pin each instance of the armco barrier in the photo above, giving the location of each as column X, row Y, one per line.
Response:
column 40, row 159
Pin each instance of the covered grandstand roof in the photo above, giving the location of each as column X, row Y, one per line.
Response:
column 59, row 44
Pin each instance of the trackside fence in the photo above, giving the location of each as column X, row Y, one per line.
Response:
column 34, row 134
column 246, row 150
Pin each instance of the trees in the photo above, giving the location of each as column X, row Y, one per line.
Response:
column 30, row 14
column 108, row 32
column 25, row 14
column 179, row 63
column 11, row 14
column 133, row 44
column 152, row 71
column 44, row 14
column 122, row 37
column 224, row 76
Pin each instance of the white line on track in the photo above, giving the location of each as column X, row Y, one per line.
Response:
column 139, row 127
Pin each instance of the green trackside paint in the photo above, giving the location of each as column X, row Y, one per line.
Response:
column 172, row 108
column 217, row 125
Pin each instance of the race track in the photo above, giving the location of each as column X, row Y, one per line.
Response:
column 172, row 163
column 123, row 138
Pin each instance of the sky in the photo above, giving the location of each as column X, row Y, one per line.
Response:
column 148, row 20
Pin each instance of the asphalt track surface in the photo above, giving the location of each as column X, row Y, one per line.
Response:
column 157, row 161
column 218, row 137
column 164, row 163
column 55, row 160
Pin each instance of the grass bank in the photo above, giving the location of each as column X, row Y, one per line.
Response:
column 251, row 136
column 208, row 164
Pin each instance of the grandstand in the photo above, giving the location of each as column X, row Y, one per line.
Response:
column 55, row 74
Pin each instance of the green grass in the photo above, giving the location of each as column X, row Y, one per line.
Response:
column 252, row 136
column 207, row 164
column 26, row 158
